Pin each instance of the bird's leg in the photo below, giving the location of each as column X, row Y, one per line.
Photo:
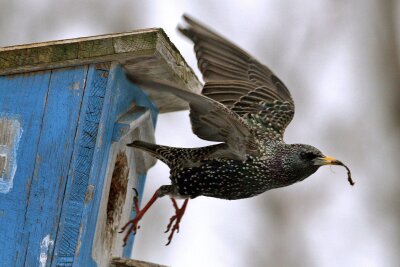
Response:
column 175, row 218
column 162, row 191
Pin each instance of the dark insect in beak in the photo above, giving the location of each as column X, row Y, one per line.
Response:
column 332, row 161
column 338, row 162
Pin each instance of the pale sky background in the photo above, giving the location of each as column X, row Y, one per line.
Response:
column 340, row 60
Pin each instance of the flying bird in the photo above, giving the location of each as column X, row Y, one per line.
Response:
column 246, row 108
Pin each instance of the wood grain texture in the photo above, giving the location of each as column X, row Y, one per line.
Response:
column 72, row 122
column 120, row 98
column 88, row 164
column 23, row 97
column 79, row 51
column 129, row 121
column 145, row 52
column 68, row 240
column 53, row 159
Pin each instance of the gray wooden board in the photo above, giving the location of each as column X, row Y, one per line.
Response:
column 148, row 53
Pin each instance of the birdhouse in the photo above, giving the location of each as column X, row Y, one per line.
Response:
column 67, row 112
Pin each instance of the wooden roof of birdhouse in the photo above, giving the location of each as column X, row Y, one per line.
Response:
column 148, row 53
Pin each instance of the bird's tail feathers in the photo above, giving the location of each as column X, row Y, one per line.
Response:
column 159, row 152
column 149, row 147
column 173, row 155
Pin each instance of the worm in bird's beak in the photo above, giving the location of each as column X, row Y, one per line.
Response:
column 332, row 161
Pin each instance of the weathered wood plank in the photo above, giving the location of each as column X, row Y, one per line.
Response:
column 22, row 100
column 10, row 134
column 79, row 51
column 66, row 130
column 166, row 65
column 120, row 97
column 68, row 238
column 52, row 162
column 148, row 53
column 108, row 95
column 129, row 121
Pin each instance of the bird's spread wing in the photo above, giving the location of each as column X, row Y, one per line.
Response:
column 212, row 121
column 240, row 82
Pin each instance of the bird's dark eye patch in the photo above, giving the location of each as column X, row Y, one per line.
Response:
column 308, row 155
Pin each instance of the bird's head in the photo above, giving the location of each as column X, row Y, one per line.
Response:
column 304, row 160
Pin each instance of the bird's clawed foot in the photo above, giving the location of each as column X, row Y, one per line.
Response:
column 138, row 215
column 176, row 218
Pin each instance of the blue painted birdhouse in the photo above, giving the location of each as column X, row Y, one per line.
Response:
column 67, row 112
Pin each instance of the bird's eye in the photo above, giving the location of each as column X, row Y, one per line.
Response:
column 308, row 155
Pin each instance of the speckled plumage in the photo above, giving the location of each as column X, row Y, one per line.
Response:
column 247, row 108
column 202, row 172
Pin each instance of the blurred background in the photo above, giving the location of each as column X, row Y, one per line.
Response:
column 340, row 59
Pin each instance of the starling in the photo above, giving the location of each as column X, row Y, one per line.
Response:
column 245, row 107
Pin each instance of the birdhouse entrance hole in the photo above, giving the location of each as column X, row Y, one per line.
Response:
column 117, row 195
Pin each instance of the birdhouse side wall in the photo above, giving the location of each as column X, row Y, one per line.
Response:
column 41, row 111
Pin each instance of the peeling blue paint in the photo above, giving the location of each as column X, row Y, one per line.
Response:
column 45, row 246
column 58, row 126
column 10, row 135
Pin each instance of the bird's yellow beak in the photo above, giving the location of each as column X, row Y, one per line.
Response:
column 326, row 160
